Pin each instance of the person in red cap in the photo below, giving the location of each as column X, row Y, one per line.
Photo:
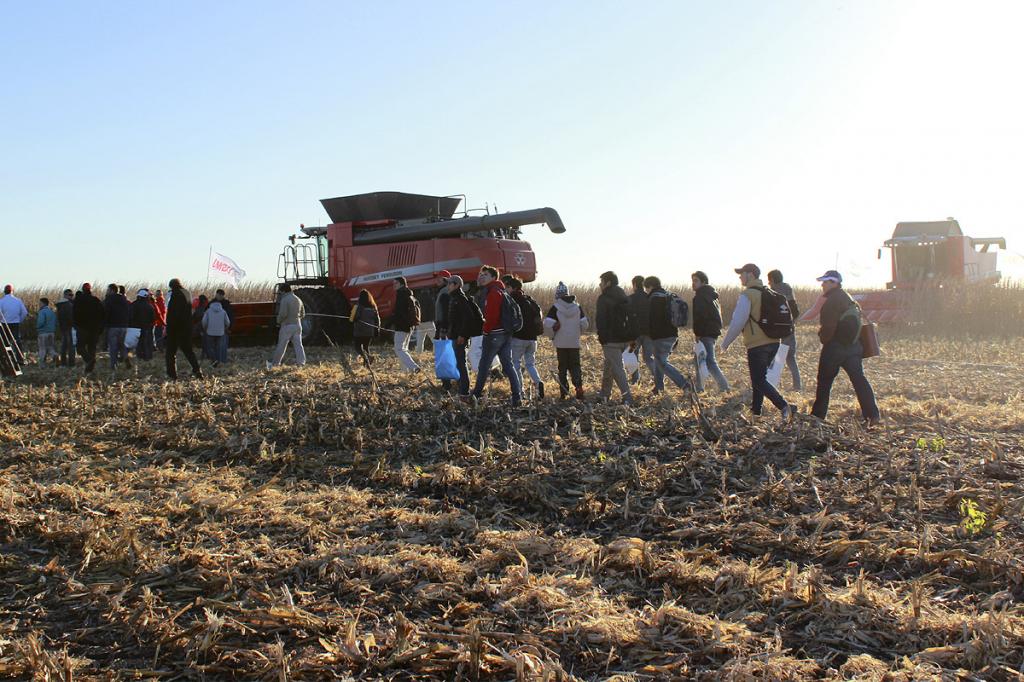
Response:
column 761, row 348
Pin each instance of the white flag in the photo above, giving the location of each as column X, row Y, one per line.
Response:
column 224, row 267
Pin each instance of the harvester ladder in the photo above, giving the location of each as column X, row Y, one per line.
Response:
column 10, row 365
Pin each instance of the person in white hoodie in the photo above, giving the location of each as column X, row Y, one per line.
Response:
column 565, row 324
column 215, row 325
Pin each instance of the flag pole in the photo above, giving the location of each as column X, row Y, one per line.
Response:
column 209, row 258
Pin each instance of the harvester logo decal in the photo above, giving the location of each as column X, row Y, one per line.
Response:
column 520, row 258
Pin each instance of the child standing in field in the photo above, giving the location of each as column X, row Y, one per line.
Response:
column 565, row 324
column 365, row 325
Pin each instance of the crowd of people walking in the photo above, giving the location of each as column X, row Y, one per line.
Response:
column 494, row 322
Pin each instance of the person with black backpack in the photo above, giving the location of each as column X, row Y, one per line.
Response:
column 664, row 333
column 614, row 333
column 841, row 349
column 465, row 321
column 405, row 317
column 524, row 341
column 762, row 316
column 502, row 319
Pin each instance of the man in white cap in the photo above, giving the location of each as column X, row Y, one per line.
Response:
column 841, row 349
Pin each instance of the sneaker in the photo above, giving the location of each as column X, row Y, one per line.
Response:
column 790, row 411
column 216, row 363
column 270, row 365
column 579, row 393
column 540, row 391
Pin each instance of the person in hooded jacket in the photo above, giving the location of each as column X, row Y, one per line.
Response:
column 141, row 317
column 179, row 330
column 614, row 334
column 465, row 321
column 565, row 324
column 405, row 318
column 116, row 313
column 707, row 327
column 215, row 328
column 365, row 325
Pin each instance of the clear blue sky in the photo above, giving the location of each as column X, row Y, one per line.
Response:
column 670, row 136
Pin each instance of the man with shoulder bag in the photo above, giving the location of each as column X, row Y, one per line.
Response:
column 841, row 348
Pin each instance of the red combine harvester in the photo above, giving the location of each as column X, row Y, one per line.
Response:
column 924, row 255
column 376, row 237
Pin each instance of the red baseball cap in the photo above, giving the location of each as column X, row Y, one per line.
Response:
column 445, row 274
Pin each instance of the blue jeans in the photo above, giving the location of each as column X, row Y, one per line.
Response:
column 645, row 345
column 758, row 360
column 500, row 346
column 836, row 356
column 662, row 368
column 460, row 362
column 712, row 362
column 115, row 344
column 219, row 347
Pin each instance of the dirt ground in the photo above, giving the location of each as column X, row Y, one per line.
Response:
column 325, row 523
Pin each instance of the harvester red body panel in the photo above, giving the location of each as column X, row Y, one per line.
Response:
column 374, row 238
column 925, row 255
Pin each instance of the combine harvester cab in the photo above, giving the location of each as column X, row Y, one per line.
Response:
column 375, row 237
column 925, row 255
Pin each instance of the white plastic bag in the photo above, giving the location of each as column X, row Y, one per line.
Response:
column 778, row 362
column 631, row 361
column 131, row 337
column 700, row 353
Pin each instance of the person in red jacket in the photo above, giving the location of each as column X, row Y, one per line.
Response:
column 160, row 319
column 497, row 341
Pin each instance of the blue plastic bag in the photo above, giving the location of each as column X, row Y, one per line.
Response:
column 444, row 360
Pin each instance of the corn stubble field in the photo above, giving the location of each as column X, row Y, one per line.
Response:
column 326, row 523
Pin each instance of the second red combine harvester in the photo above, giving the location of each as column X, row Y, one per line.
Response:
column 926, row 255
column 373, row 238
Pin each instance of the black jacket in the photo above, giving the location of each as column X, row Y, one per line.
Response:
column 533, row 316
column 88, row 313
column 142, row 314
column 640, row 313
column 226, row 305
column 464, row 316
column 707, row 313
column 613, row 316
column 115, row 309
column 846, row 330
column 661, row 326
column 179, row 312
column 405, row 316
column 65, row 315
